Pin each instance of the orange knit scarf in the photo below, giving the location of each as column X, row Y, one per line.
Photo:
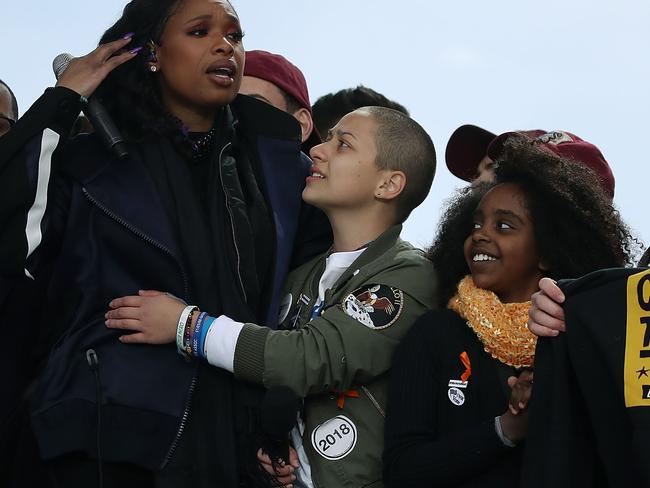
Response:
column 501, row 327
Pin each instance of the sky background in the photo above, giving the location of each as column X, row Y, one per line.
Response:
column 576, row 65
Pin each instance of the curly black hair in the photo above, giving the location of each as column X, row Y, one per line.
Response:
column 130, row 92
column 446, row 251
column 576, row 227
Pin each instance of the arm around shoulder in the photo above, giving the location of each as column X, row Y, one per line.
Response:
column 352, row 341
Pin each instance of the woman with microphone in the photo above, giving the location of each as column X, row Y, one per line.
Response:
column 206, row 204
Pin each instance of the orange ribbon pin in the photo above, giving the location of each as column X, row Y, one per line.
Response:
column 464, row 358
column 340, row 403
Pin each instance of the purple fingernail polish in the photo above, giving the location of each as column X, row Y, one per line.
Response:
column 128, row 36
column 136, row 50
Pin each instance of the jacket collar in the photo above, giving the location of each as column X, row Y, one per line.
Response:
column 124, row 190
column 375, row 249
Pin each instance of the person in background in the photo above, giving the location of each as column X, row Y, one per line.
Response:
column 452, row 418
column 329, row 108
column 8, row 108
column 273, row 79
column 471, row 152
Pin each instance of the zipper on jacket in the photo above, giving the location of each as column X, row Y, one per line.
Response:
column 232, row 222
column 374, row 401
column 141, row 235
column 166, row 250
column 93, row 363
column 181, row 427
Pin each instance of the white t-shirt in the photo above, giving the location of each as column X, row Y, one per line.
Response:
column 335, row 266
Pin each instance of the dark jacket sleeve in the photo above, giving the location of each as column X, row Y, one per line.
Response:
column 32, row 202
column 416, row 454
column 314, row 235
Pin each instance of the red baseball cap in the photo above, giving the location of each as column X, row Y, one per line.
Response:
column 278, row 70
column 465, row 149
column 469, row 144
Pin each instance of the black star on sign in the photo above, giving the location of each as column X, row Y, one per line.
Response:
column 643, row 372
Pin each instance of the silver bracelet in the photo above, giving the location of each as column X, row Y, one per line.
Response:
column 499, row 431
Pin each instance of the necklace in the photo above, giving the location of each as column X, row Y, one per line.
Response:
column 202, row 146
column 501, row 327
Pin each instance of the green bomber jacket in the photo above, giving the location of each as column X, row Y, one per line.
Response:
column 338, row 361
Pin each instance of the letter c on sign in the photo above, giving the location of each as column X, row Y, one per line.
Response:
column 643, row 303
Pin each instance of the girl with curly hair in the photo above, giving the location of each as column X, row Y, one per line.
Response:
column 457, row 411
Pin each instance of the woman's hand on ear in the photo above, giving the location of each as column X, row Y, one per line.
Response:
column 83, row 75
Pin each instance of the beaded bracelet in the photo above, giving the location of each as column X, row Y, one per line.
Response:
column 186, row 315
column 187, row 333
column 187, row 347
column 187, row 336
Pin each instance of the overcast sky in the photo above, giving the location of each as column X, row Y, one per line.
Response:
column 577, row 65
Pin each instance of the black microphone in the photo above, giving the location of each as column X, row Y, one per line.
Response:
column 277, row 417
column 96, row 113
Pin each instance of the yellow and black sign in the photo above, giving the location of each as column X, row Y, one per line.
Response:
column 637, row 341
